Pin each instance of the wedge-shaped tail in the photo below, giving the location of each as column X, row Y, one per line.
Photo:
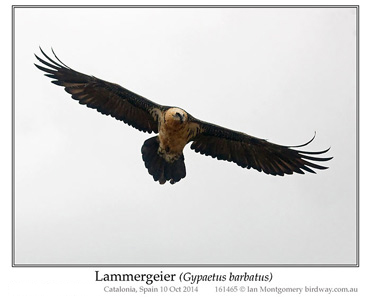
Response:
column 158, row 167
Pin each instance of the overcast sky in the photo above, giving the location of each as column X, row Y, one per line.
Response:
column 83, row 195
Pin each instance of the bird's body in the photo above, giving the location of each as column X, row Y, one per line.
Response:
column 173, row 133
column 163, row 154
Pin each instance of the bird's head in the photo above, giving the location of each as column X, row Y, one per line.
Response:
column 176, row 115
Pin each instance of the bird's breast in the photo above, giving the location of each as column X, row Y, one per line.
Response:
column 173, row 139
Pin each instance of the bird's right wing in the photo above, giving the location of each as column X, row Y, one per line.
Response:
column 105, row 97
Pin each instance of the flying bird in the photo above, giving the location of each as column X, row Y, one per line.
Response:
column 175, row 128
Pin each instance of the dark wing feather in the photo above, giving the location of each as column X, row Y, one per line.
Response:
column 105, row 97
column 251, row 152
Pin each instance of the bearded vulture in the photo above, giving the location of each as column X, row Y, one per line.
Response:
column 163, row 154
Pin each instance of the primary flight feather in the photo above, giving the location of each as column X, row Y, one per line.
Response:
column 163, row 154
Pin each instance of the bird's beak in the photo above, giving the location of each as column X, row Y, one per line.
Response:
column 180, row 116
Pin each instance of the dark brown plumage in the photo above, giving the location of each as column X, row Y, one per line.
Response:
column 163, row 154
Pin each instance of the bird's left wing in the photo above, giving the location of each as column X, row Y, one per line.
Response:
column 105, row 97
column 251, row 152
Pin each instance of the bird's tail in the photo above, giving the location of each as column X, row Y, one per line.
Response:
column 158, row 167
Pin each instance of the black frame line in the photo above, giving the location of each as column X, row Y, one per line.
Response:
column 14, row 7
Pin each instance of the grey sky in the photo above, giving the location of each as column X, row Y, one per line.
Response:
column 83, row 194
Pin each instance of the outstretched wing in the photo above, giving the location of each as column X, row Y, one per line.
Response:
column 251, row 152
column 105, row 97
